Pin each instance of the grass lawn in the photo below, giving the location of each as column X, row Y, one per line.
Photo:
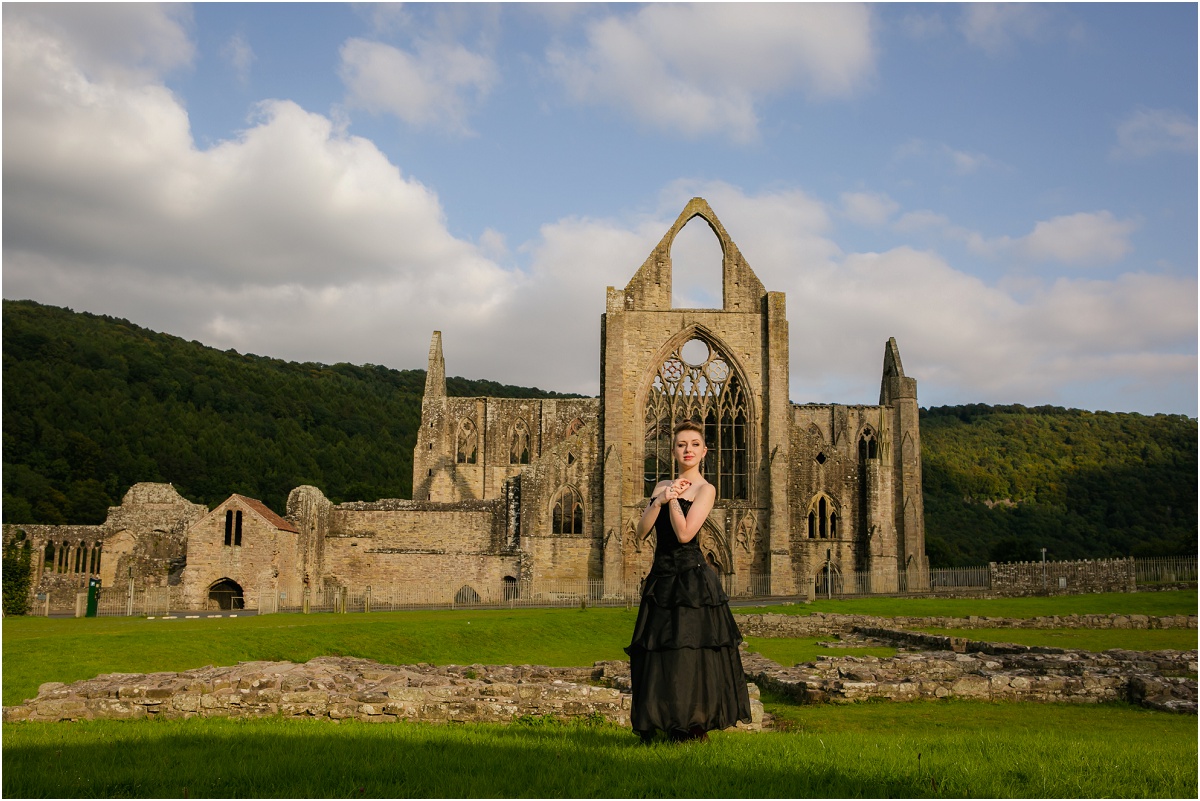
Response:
column 1085, row 639
column 38, row 650
column 1172, row 602
column 957, row 749
column 878, row 749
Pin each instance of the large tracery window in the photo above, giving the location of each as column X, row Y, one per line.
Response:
column 518, row 449
column 697, row 382
column 467, row 446
column 568, row 512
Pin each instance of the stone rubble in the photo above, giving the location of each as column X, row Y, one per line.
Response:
column 1162, row 680
column 342, row 688
column 820, row 624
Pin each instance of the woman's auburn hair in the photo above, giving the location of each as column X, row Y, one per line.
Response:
column 688, row 425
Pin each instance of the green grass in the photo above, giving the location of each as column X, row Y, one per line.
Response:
column 955, row 749
column 1172, row 602
column 1085, row 639
column 38, row 650
column 788, row 651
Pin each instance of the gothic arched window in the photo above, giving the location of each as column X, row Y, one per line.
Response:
column 697, row 382
column 467, row 443
column 822, row 518
column 518, row 450
column 867, row 448
column 568, row 512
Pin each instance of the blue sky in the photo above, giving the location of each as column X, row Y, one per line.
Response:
column 1009, row 190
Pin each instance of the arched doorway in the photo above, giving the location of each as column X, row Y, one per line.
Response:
column 225, row 594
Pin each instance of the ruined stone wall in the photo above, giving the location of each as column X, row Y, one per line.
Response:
column 827, row 465
column 825, row 624
column 640, row 330
column 397, row 544
column 267, row 558
column 1063, row 578
column 144, row 538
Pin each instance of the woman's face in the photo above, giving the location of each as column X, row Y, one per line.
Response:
column 689, row 449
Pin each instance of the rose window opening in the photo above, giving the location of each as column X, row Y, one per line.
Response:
column 697, row 382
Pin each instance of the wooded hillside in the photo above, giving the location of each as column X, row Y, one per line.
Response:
column 1003, row 482
column 94, row 404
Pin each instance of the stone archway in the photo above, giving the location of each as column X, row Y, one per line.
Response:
column 226, row 594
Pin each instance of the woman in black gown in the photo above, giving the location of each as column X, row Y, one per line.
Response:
column 684, row 663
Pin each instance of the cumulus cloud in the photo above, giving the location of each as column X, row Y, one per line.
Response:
column 291, row 238
column 684, row 68
column 965, row 339
column 296, row 240
column 436, row 85
column 1083, row 239
column 870, row 209
column 1146, row 132
column 114, row 42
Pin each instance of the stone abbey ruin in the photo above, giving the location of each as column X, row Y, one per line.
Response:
column 510, row 494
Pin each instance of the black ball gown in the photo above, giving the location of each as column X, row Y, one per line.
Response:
column 684, row 663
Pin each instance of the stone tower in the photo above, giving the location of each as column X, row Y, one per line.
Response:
column 727, row 368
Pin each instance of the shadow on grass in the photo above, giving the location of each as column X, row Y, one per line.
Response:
column 277, row 758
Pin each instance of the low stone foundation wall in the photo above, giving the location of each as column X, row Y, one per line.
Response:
column 340, row 688
column 821, row 624
column 1067, row 676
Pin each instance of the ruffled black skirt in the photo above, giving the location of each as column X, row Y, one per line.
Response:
column 684, row 663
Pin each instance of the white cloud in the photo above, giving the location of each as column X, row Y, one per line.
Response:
column 997, row 27
column 1149, row 131
column 437, row 85
column 110, row 41
column 292, row 239
column 240, row 55
column 870, row 209
column 964, row 339
column 298, row 241
column 686, row 68
column 1081, row 239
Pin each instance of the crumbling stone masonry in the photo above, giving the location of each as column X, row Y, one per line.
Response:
column 1159, row 680
column 511, row 492
column 824, row 624
column 341, row 688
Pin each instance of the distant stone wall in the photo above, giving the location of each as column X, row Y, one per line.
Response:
column 820, row 624
column 1063, row 578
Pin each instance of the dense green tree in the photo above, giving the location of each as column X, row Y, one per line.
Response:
column 17, row 577
column 1003, row 482
column 94, row 404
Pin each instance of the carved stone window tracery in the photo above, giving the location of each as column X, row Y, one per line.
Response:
column 697, row 382
column 568, row 512
column 822, row 518
column 518, row 450
column 467, row 443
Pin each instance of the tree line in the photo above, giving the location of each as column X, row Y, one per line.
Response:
column 94, row 404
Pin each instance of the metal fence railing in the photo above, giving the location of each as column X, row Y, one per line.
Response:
column 1164, row 569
